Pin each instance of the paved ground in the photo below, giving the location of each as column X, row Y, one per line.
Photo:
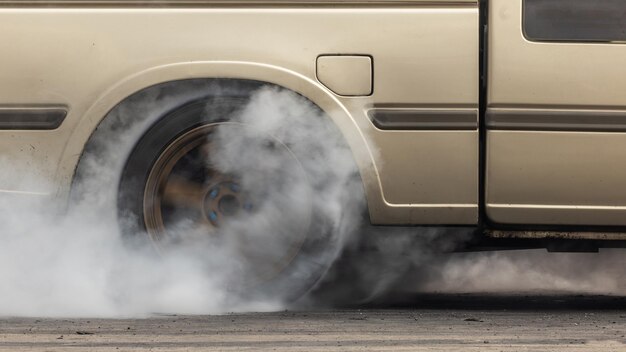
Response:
column 422, row 322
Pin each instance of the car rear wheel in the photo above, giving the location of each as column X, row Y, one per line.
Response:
column 242, row 197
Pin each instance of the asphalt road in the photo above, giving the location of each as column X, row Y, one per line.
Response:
column 409, row 323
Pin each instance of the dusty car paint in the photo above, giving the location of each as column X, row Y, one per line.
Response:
column 564, row 163
column 90, row 55
column 553, row 125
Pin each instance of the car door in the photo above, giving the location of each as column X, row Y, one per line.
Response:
column 556, row 112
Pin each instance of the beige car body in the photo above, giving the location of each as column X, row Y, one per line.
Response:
column 424, row 60
column 554, row 177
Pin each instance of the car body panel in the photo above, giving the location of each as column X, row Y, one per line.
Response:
column 88, row 56
column 558, row 154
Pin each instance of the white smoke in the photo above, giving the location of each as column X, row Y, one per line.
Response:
column 529, row 271
column 75, row 263
column 408, row 261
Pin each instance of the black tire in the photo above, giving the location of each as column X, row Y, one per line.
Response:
column 322, row 241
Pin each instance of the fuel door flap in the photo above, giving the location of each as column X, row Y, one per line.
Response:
column 346, row 75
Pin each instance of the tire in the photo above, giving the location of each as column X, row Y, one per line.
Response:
column 255, row 208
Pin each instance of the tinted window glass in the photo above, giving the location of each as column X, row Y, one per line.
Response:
column 575, row 20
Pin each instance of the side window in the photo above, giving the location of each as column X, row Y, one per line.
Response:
column 575, row 20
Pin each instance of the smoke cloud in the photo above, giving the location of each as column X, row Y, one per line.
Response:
column 529, row 271
column 405, row 262
column 306, row 193
column 290, row 160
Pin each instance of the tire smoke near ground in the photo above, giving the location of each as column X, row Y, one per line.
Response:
column 411, row 261
column 76, row 263
column 528, row 271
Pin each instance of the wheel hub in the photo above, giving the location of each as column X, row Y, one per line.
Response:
column 225, row 200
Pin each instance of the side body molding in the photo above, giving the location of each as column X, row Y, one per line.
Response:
column 31, row 117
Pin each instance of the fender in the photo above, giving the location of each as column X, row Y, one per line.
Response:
column 298, row 83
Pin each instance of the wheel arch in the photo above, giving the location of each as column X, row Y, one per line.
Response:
column 232, row 72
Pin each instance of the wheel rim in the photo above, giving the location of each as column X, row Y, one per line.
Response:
column 182, row 184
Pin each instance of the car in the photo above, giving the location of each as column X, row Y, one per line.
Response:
column 507, row 117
